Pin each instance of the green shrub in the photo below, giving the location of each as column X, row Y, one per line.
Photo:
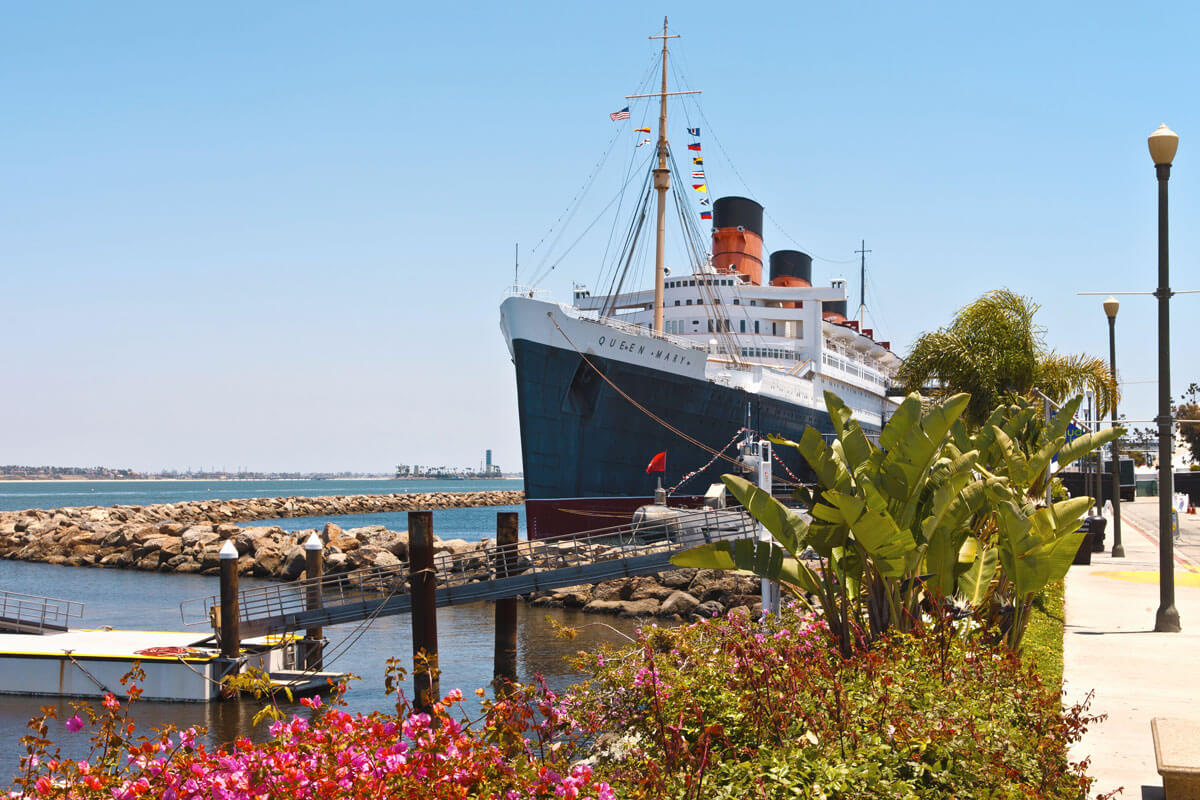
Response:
column 730, row 708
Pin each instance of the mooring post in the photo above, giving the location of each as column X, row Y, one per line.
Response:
column 314, row 565
column 231, row 638
column 505, row 662
column 423, row 582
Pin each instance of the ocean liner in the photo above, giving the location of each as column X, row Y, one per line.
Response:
column 610, row 380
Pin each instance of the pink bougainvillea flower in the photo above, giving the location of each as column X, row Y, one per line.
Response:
column 111, row 702
column 74, row 724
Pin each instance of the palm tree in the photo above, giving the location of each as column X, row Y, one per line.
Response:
column 991, row 349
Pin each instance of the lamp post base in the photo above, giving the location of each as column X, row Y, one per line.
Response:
column 1118, row 551
column 1167, row 620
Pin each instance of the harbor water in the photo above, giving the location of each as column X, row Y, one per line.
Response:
column 150, row 601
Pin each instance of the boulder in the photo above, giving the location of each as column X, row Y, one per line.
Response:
column 624, row 608
column 709, row 609
column 677, row 578
column 198, row 536
column 647, row 587
column 611, row 590
column 396, row 542
column 330, row 532
column 268, row 560
column 454, row 546
column 345, row 543
column 293, row 563
column 574, row 596
column 679, row 602
column 336, row 562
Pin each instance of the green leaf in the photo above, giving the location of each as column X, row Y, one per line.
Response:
column 880, row 537
column 1086, row 444
column 831, row 473
column 787, row 526
column 764, row 559
column 974, row 583
column 906, row 416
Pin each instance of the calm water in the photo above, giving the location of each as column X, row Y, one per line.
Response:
column 150, row 601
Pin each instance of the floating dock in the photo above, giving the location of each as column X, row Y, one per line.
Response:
column 90, row 663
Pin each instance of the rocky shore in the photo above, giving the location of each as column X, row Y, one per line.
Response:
column 187, row 538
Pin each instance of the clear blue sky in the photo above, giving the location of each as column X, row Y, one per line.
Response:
column 274, row 235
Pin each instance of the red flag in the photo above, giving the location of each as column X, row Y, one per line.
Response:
column 658, row 463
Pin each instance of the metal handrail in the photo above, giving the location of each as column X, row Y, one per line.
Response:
column 369, row 587
column 34, row 613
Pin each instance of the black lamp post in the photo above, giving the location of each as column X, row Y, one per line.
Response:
column 1163, row 144
column 1110, row 309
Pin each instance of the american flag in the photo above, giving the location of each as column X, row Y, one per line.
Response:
column 622, row 114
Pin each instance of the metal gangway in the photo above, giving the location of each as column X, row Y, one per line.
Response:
column 30, row 613
column 497, row 572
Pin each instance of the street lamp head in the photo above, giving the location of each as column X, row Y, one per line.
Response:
column 1163, row 144
column 1110, row 307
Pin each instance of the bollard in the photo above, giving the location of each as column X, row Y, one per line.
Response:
column 504, row 672
column 423, row 585
column 231, row 639
column 314, row 638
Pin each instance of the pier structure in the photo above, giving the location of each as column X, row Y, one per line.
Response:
column 502, row 572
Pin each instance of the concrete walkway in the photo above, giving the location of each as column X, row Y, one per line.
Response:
column 1110, row 648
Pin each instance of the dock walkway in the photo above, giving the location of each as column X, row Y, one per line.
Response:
column 496, row 573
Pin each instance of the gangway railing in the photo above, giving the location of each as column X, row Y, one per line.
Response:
column 478, row 575
column 29, row 613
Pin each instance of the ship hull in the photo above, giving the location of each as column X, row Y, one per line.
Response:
column 586, row 443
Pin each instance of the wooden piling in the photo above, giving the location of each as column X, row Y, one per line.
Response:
column 314, row 638
column 230, row 634
column 505, row 658
column 423, row 583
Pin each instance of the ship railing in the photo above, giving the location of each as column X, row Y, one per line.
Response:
column 528, row 291
column 853, row 369
column 602, row 551
column 28, row 613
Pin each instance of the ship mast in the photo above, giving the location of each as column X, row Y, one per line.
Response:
column 662, row 182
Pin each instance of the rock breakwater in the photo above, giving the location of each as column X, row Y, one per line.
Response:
column 185, row 537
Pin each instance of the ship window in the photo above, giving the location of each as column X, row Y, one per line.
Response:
column 753, row 302
column 755, row 323
column 699, row 301
column 717, row 301
column 689, row 301
column 710, row 330
column 742, row 326
column 737, row 301
column 691, row 283
column 774, row 329
column 676, row 302
column 695, row 322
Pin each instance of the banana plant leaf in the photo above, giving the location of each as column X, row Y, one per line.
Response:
column 764, row 559
column 787, row 526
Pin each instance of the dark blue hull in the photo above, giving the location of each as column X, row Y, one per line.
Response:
column 585, row 447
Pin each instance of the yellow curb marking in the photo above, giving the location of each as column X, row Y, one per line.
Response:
column 1182, row 578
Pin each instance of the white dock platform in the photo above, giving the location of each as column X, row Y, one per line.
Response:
column 90, row 663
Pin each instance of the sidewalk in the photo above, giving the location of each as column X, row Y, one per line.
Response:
column 1109, row 646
